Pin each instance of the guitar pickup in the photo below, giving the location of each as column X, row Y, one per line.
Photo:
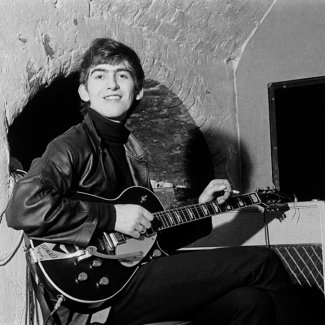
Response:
column 111, row 240
column 118, row 237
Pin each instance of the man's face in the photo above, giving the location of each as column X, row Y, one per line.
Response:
column 110, row 90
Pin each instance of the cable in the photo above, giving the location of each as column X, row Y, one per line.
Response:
column 14, row 176
column 266, row 230
column 8, row 258
column 56, row 307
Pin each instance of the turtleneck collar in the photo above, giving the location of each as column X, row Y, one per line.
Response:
column 111, row 132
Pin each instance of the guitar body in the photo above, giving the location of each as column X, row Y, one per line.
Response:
column 89, row 281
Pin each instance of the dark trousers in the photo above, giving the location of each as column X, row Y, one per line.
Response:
column 240, row 285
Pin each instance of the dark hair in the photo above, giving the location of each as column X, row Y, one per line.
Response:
column 107, row 50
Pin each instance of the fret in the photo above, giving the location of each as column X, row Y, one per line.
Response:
column 235, row 203
column 254, row 198
column 205, row 210
column 170, row 218
column 164, row 221
column 167, row 221
column 232, row 203
column 185, row 214
column 228, row 207
column 222, row 207
column 245, row 199
column 178, row 216
column 240, row 202
column 190, row 214
column 215, row 207
column 210, row 209
column 200, row 213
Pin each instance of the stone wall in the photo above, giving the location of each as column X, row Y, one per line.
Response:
column 190, row 50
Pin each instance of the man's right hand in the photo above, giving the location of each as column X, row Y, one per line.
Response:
column 132, row 219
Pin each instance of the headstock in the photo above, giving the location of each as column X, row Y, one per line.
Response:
column 271, row 198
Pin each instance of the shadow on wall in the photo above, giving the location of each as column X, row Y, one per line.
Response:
column 246, row 169
column 179, row 153
column 49, row 113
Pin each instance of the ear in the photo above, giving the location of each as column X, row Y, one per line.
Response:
column 139, row 95
column 83, row 93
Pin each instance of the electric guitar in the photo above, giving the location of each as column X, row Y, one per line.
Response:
column 90, row 276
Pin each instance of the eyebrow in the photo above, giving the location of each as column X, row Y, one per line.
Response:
column 106, row 70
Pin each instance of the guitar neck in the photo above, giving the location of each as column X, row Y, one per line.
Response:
column 182, row 215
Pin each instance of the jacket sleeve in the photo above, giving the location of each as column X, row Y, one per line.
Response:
column 40, row 204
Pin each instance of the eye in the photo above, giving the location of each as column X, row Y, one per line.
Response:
column 123, row 75
column 99, row 76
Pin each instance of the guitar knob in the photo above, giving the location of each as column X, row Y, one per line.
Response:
column 83, row 276
column 156, row 253
column 103, row 281
column 96, row 263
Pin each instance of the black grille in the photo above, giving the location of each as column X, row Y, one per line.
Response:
column 304, row 263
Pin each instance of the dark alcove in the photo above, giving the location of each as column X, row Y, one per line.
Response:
column 297, row 115
column 49, row 113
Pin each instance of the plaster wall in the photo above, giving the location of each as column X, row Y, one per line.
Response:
column 191, row 47
column 288, row 45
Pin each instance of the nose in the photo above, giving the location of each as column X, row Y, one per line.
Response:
column 112, row 83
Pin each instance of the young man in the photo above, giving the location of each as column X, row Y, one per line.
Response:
column 99, row 156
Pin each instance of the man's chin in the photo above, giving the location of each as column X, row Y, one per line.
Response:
column 116, row 118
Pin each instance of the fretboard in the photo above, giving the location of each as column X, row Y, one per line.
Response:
column 181, row 215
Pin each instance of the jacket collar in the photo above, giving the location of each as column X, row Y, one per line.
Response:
column 133, row 147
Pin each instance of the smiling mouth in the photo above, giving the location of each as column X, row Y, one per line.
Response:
column 112, row 97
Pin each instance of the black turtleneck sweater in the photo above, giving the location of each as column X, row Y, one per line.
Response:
column 113, row 135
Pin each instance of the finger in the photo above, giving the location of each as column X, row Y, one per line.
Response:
column 145, row 223
column 139, row 228
column 147, row 215
column 210, row 192
column 221, row 185
column 221, row 199
column 226, row 194
column 135, row 234
column 216, row 186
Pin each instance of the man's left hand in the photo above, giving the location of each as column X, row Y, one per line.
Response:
column 215, row 186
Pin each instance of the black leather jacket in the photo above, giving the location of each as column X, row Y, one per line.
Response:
column 41, row 204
